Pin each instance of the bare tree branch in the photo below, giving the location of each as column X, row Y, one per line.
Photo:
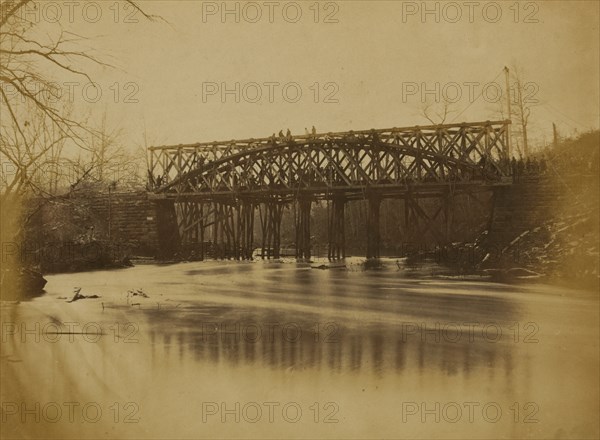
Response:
column 38, row 125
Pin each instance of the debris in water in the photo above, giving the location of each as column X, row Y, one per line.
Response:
column 79, row 296
column 138, row 292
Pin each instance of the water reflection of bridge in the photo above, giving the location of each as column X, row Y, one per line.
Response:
column 211, row 192
column 379, row 351
column 442, row 331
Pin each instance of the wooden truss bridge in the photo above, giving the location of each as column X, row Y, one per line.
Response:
column 212, row 192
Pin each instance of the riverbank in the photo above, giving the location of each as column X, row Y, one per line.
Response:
column 562, row 251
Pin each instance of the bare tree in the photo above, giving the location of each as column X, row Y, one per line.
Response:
column 437, row 112
column 522, row 95
column 30, row 155
column 523, row 99
column 28, row 59
column 37, row 123
column 109, row 161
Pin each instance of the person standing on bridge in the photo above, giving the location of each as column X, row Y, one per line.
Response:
column 314, row 131
column 288, row 135
column 543, row 165
column 505, row 164
column 514, row 169
column 520, row 169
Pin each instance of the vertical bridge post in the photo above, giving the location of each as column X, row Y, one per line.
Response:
column 245, row 224
column 336, row 230
column 270, row 219
column 303, row 229
column 373, row 233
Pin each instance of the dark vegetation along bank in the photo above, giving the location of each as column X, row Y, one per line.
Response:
column 545, row 226
column 559, row 230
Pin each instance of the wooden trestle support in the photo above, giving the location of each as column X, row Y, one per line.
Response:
column 209, row 195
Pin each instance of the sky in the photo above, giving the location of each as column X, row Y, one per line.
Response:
column 344, row 65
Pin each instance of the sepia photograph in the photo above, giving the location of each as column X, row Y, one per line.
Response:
column 310, row 219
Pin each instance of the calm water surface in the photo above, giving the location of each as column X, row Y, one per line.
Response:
column 277, row 349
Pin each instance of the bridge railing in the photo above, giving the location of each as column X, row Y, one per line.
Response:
column 470, row 143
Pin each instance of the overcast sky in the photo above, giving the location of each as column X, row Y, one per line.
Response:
column 366, row 67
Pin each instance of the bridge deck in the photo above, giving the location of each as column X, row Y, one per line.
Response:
column 420, row 190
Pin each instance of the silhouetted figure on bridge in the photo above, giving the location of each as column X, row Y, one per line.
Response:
column 520, row 169
column 374, row 135
column 543, row 165
column 288, row 135
column 507, row 166
column 483, row 163
column 514, row 169
column 504, row 164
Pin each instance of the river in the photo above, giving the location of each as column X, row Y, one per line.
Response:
column 281, row 350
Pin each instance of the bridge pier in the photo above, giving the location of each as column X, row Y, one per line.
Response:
column 245, row 229
column 190, row 220
column 168, row 229
column 228, row 224
column 200, row 229
column 303, row 229
column 448, row 216
column 336, row 230
column 223, row 231
column 373, row 232
column 270, row 219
